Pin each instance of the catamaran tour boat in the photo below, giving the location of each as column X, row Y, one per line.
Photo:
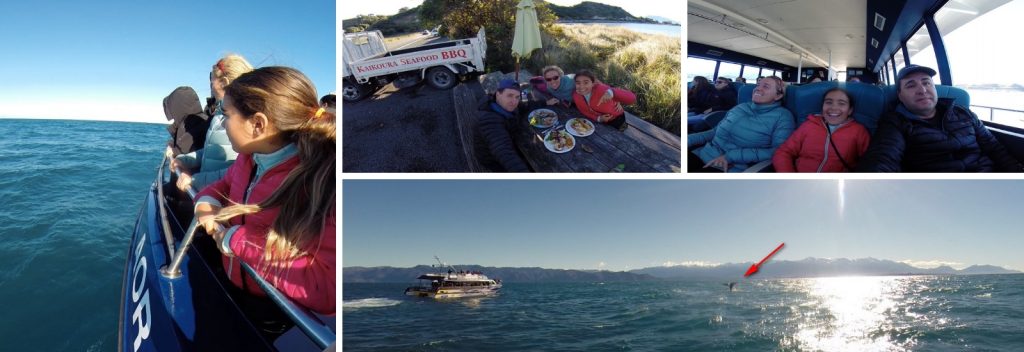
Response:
column 172, row 298
column 454, row 284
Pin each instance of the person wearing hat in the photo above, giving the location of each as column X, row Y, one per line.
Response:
column 927, row 134
column 496, row 122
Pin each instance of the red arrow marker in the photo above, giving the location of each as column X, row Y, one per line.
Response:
column 753, row 268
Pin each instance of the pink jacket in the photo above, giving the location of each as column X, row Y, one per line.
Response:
column 310, row 280
column 808, row 148
column 592, row 110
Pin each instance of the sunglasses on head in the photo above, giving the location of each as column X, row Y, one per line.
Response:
column 552, row 79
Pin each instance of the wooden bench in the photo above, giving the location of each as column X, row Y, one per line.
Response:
column 466, row 103
column 651, row 136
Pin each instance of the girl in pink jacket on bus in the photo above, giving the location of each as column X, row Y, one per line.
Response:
column 276, row 202
column 600, row 102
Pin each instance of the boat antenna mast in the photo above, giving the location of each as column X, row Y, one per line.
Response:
column 443, row 265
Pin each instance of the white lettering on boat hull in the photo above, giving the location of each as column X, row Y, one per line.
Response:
column 140, row 295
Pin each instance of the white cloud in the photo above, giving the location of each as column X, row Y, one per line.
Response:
column 931, row 264
column 697, row 263
column 601, row 265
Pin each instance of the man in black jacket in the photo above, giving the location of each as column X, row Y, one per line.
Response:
column 496, row 122
column 927, row 134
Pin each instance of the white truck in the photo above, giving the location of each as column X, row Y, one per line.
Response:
column 368, row 64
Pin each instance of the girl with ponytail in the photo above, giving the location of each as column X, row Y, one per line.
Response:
column 276, row 202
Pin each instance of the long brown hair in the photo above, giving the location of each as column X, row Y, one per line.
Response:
column 306, row 197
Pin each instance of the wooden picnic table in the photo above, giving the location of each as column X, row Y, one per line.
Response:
column 602, row 151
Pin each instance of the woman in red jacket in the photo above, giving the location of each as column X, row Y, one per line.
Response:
column 600, row 102
column 830, row 142
column 276, row 202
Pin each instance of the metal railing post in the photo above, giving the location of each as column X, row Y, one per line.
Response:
column 162, row 204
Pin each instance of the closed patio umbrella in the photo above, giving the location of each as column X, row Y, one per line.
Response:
column 527, row 35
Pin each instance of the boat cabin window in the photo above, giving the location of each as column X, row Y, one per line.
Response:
column 982, row 59
column 898, row 59
column 696, row 66
column 728, row 69
column 751, row 73
column 921, row 50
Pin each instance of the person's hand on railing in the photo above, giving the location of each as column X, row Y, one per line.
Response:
column 184, row 181
column 169, row 153
column 175, row 165
column 205, row 213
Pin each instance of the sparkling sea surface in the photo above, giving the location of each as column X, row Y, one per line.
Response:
column 881, row 313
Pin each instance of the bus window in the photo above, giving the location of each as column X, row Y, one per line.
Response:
column 898, row 59
column 699, row 67
column 921, row 51
column 982, row 61
column 729, row 70
column 751, row 73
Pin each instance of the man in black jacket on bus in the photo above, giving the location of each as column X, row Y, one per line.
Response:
column 927, row 134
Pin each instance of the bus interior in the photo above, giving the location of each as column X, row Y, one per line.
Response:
column 965, row 41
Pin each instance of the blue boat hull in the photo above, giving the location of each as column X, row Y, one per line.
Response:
column 193, row 312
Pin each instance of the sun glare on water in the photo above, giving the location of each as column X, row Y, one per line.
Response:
column 850, row 312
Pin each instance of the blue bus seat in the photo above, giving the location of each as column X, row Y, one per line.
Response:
column 959, row 96
column 869, row 101
column 737, row 86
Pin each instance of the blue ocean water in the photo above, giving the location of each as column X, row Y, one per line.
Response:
column 69, row 194
column 891, row 313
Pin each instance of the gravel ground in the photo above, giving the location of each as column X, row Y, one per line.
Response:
column 408, row 130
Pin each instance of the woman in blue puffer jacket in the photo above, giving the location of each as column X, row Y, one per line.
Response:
column 749, row 134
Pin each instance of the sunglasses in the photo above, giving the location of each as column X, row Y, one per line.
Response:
column 552, row 79
column 720, row 82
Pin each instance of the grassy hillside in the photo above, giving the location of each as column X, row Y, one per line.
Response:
column 405, row 21
column 592, row 11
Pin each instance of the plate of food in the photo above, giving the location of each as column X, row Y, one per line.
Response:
column 559, row 141
column 543, row 118
column 579, row 127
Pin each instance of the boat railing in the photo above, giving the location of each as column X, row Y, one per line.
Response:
column 992, row 111
column 316, row 330
column 168, row 238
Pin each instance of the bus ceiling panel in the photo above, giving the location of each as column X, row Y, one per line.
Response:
column 716, row 53
column 796, row 26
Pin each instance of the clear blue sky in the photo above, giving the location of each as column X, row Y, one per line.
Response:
column 118, row 59
column 634, row 224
